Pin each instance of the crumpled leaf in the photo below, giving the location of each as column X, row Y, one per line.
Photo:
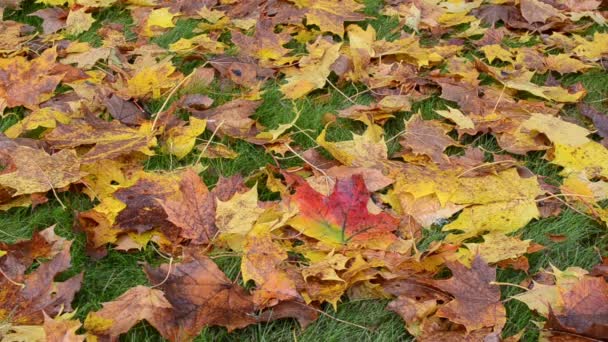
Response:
column 181, row 139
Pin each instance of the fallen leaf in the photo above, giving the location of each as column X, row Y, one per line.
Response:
column 476, row 302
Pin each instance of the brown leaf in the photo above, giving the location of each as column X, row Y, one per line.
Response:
column 25, row 304
column 144, row 211
column 201, row 295
column 600, row 119
column 428, row 138
column 136, row 304
column 109, row 139
column 54, row 19
column 27, row 170
column 61, row 330
column 232, row 118
column 585, row 309
column 125, row 111
column 28, row 83
column 194, row 213
column 476, row 301
column 536, row 11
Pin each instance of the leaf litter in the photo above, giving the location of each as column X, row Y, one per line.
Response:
column 348, row 227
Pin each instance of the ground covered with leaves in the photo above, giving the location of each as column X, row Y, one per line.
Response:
column 303, row 170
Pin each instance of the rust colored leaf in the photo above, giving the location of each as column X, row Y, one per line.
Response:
column 109, row 139
column 476, row 301
column 194, row 213
column 201, row 295
column 585, row 309
column 28, row 83
column 25, row 304
column 137, row 304
column 427, row 138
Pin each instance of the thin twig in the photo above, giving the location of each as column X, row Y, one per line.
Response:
column 200, row 155
column 166, row 102
column 487, row 164
column 336, row 318
column 509, row 284
column 340, row 91
column 11, row 280
column 306, row 161
column 167, row 276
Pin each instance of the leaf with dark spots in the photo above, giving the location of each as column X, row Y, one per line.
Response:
column 28, row 83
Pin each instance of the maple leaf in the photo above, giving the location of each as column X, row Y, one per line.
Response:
column 143, row 210
column 330, row 15
column 476, row 302
column 62, row 328
column 28, row 83
column 235, row 217
column 585, row 309
column 24, row 304
column 313, row 69
column 150, row 78
column 427, row 137
column 265, row 45
column 27, row 170
column 54, row 19
column 201, row 295
column 231, row 119
column 366, row 150
column 109, row 139
column 262, row 263
column 342, row 217
column 195, row 211
column 181, row 139
column 136, row 304
column 537, row 11
column 78, row 21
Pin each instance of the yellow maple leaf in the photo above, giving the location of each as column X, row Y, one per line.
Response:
column 181, row 140
column 313, row 69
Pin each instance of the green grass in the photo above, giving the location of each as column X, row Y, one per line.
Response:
column 111, row 276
